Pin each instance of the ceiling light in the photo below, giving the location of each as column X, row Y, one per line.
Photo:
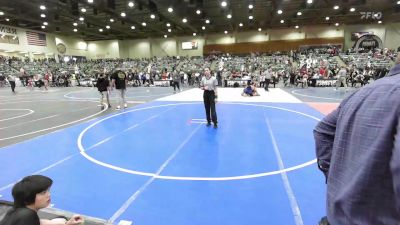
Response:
column 123, row 14
column 101, row 30
column 165, row 36
column 337, row 24
column 90, row 1
column 75, row 30
column 107, row 27
column 7, row 19
column 81, row 18
column 133, row 27
column 45, row 23
column 376, row 15
column 198, row 12
column 229, row 16
column 297, row 27
column 1, row 13
column 299, row 13
column 144, row 24
column 327, row 18
column 43, row 27
column 352, row 9
column 207, row 21
column 251, row 6
column 112, row 20
column 336, row 7
column 240, row 24
column 224, row 4
column 184, row 20
column 398, row 2
column 225, row 32
column 83, row 10
column 152, row 16
column 282, row 21
column 168, row 24
column 251, row 17
column 309, row 1
column 75, row 24
column 170, row 9
column 131, row 4
column 379, row 22
column 280, row 12
column 203, row 27
column 169, row 30
column 43, row 15
column 259, row 29
column 42, row 7
column 194, row 34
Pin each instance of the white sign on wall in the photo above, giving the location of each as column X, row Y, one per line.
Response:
column 190, row 45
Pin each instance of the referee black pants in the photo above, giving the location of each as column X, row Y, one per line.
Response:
column 12, row 84
column 209, row 104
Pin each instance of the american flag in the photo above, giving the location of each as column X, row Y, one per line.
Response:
column 35, row 38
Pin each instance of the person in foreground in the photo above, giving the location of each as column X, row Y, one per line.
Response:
column 358, row 149
column 30, row 195
column 209, row 85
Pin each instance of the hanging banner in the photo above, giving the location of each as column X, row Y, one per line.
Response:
column 368, row 42
column 8, row 35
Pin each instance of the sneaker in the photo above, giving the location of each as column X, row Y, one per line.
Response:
column 125, row 105
column 109, row 106
column 118, row 108
column 215, row 125
column 102, row 107
column 208, row 124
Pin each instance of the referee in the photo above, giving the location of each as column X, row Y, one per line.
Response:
column 209, row 85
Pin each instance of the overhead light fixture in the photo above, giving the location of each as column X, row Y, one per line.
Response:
column 75, row 30
column 251, row 17
column 259, row 29
column 43, row 27
column 184, row 20
column 108, row 27
column 376, row 15
column 123, row 14
column 165, row 36
column 203, row 27
column 152, row 16
column 299, row 13
column 337, row 24
column 398, row 2
column 352, row 9
column 144, row 24
column 1, row 13
column 81, row 18
column 42, row 7
column 198, row 12
column 240, row 24
column 297, row 27
column 131, row 4
column 194, row 34
column 43, row 15
column 251, row 6
column 45, row 23
column 83, row 10
column 336, row 7
column 112, row 20
column 168, row 24
column 207, row 21
column 90, row 1
column 101, row 30
column 327, row 18
column 224, row 4
column 169, row 30
column 225, row 32
column 379, row 21
column 229, row 16
column 7, row 19
column 133, row 27
column 309, row 1
column 170, row 9
column 75, row 24
column 280, row 12
column 15, row 37
column 282, row 21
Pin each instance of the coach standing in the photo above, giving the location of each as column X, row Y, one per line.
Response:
column 209, row 85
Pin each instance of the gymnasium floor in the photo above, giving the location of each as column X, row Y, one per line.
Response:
column 157, row 163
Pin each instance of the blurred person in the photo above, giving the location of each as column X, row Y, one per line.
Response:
column 209, row 85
